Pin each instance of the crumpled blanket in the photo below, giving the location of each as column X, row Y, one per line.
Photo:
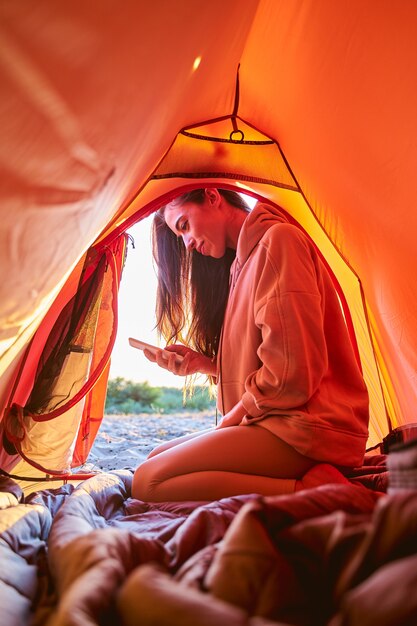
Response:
column 335, row 555
column 24, row 532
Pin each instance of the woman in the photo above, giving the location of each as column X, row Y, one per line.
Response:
column 293, row 400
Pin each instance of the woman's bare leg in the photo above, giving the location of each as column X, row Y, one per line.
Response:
column 220, row 463
column 174, row 442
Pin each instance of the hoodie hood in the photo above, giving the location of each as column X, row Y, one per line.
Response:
column 259, row 220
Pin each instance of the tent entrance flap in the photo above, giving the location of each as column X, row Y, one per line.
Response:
column 65, row 361
column 74, row 357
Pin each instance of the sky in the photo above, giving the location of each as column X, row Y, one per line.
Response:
column 137, row 314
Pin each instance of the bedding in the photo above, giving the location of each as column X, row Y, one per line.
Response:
column 334, row 555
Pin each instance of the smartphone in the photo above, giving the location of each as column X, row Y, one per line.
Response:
column 142, row 345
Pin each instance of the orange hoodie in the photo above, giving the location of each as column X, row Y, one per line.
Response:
column 285, row 350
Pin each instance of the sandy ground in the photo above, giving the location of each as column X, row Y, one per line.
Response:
column 124, row 441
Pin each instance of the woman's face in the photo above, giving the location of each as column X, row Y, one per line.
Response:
column 201, row 226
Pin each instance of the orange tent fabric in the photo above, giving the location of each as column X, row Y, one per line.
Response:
column 105, row 109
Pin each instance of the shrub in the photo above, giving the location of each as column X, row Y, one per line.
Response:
column 125, row 396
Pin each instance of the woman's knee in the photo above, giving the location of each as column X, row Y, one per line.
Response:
column 143, row 480
column 167, row 445
column 157, row 450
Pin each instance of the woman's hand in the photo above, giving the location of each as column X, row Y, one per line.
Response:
column 192, row 363
column 233, row 417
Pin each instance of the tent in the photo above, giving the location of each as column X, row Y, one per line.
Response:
column 108, row 110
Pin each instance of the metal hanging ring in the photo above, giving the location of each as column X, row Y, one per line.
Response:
column 238, row 132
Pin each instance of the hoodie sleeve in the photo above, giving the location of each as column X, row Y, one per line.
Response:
column 288, row 310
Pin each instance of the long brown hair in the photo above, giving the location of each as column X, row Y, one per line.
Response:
column 192, row 289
